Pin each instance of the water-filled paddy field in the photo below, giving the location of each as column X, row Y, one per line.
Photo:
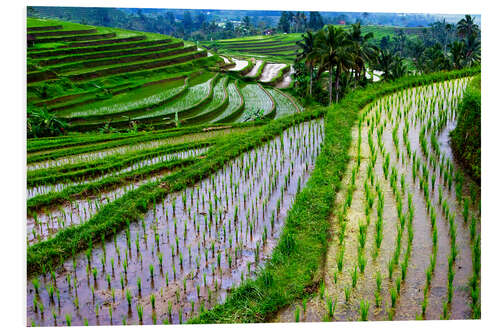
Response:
column 190, row 249
column 406, row 241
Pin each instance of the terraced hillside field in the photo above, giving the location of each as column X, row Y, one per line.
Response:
column 278, row 48
column 356, row 211
column 206, row 224
column 281, row 48
column 91, row 77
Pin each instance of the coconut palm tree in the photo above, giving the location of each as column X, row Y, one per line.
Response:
column 467, row 27
column 363, row 51
column 457, row 50
column 399, row 68
column 472, row 48
column 308, row 53
column 335, row 52
column 384, row 64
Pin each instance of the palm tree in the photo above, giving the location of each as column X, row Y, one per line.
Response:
column 308, row 54
column 472, row 48
column 363, row 51
column 41, row 123
column 335, row 51
column 457, row 50
column 436, row 58
column 398, row 68
column 467, row 27
column 384, row 64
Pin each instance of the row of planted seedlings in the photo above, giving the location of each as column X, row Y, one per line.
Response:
column 461, row 208
column 366, row 286
column 369, row 237
column 128, row 148
column 56, row 179
column 432, row 102
column 190, row 250
column 77, row 209
column 48, row 220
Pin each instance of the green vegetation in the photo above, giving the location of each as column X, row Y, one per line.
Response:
column 465, row 141
column 209, row 195
column 122, row 84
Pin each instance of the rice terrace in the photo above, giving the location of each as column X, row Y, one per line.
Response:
column 194, row 166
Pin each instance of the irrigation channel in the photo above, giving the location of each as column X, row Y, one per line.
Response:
column 406, row 231
column 190, row 250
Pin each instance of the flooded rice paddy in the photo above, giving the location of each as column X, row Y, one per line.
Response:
column 44, row 189
column 190, row 250
column 405, row 232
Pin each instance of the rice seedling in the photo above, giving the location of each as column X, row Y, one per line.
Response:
column 394, row 296
column 340, row 258
column 378, row 298
column 347, row 294
column 153, row 300
column 68, row 319
column 128, row 295
column 354, row 277
column 297, row 314
column 140, row 311
column 322, row 290
column 330, row 306
column 364, row 308
column 390, row 314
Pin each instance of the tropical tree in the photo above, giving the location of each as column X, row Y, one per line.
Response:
column 457, row 52
column 308, row 53
column 363, row 51
column 436, row 59
column 384, row 63
column 399, row 68
column 335, row 52
column 472, row 50
column 41, row 123
column 467, row 27
column 392, row 65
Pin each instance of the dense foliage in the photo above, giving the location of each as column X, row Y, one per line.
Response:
column 466, row 137
column 41, row 123
column 345, row 54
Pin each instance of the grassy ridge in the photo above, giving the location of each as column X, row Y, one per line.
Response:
column 293, row 271
column 466, row 137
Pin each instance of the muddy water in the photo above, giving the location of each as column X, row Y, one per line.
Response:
column 270, row 71
column 287, row 79
column 239, row 64
column 49, row 222
column 255, row 68
column 419, row 106
column 232, row 218
column 226, row 60
column 44, row 189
